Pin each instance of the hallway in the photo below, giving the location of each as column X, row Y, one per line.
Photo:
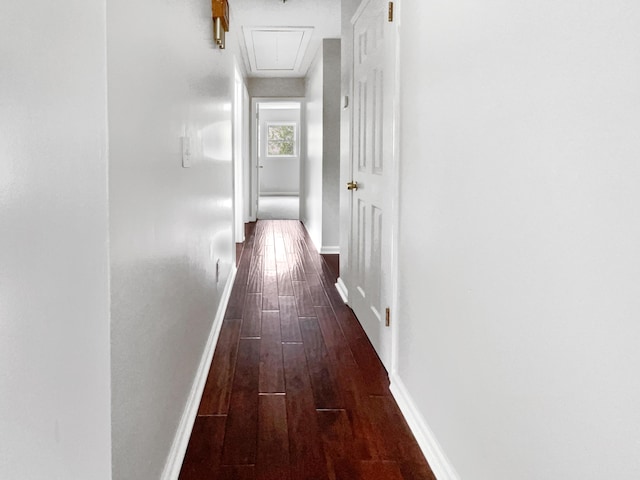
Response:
column 279, row 207
column 295, row 389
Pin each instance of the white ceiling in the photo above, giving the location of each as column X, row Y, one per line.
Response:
column 281, row 39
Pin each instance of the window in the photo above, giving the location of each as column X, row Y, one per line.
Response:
column 281, row 140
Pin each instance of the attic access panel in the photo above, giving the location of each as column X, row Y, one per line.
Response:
column 276, row 49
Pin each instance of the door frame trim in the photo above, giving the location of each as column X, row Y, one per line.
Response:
column 253, row 134
column 240, row 135
column 395, row 195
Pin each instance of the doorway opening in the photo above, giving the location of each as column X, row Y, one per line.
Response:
column 277, row 155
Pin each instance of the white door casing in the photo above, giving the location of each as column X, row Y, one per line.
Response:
column 254, row 169
column 373, row 164
column 278, row 175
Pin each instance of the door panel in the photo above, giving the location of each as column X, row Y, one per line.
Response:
column 372, row 164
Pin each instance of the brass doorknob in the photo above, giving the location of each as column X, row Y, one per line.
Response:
column 352, row 186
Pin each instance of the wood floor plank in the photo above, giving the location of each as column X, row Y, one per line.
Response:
column 311, row 260
column 289, row 326
column 304, row 302
column 331, row 331
column 350, row 377
column 349, row 323
column 271, row 365
column 299, row 253
column 369, row 373
column 316, row 289
column 202, row 459
column 345, row 469
column 338, row 439
column 269, row 257
column 354, row 388
column 367, row 470
column 295, row 267
column 371, row 366
column 399, row 442
column 285, row 287
column 256, row 269
column 279, row 243
column 252, row 316
column 244, row 262
column 323, row 382
column 242, row 274
column 217, row 390
column 273, row 439
column 270, row 290
column 367, row 443
column 287, row 237
column 381, row 470
column 268, row 231
column 259, row 238
column 416, row 471
column 363, row 352
column 329, row 279
column 240, row 440
column 307, row 459
column 235, row 472
column 235, row 306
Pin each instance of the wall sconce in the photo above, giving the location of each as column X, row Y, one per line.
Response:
column 220, row 14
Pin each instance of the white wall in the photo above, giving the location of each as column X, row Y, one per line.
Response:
column 247, row 152
column 519, row 260
column 168, row 224
column 331, row 145
column 276, row 87
column 279, row 175
column 241, row 154
column 54, row 290
column 321, row 167
column 349, row 8
column 311, row 198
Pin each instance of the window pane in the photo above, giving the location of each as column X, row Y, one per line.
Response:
column 281, row 140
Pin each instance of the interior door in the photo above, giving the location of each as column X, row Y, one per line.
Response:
column 370, row 276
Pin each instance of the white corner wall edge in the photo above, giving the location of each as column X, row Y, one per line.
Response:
column 181, row 440
column 438, row 461
column 342, row 290
column 325, row 250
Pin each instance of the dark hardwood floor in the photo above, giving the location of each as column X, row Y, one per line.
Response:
column 295, row 390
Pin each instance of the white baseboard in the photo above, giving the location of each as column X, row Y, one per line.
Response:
column 342, row 290
column 181, row 440
column 438, row 461
column 329, row 250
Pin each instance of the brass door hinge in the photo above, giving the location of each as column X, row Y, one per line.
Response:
column 391, row 11
column 387, row 318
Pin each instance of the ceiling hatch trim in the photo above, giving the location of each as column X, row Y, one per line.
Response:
column 276, row 49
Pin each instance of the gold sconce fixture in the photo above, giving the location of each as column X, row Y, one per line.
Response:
column 220, row 14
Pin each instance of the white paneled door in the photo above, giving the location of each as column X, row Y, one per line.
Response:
column 373, row 172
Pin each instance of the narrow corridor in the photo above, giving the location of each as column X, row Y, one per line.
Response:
column 295, row 390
